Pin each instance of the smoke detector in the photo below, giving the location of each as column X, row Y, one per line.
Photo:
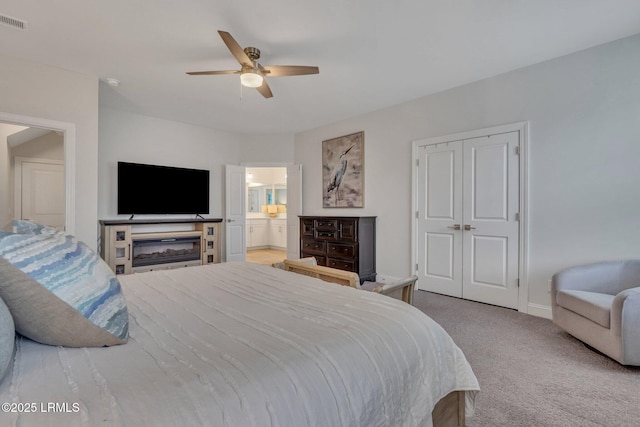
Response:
column 112, row 82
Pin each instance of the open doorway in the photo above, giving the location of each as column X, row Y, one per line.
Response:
column 37, row 158
column 266, row 204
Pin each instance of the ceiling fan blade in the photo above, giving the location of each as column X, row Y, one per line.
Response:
column 289, row 70
column 265, row 90
column 208, row 73
column 235, row 48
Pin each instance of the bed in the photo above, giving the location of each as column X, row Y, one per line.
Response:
column 240, row 344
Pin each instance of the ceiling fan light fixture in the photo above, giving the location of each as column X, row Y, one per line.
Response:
column 251, row 79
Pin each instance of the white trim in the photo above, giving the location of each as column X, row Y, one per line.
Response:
column 523, row 262
column 540, row 310
column 266, row 165
column 69, row 131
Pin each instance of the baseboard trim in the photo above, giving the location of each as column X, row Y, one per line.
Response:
column 539, row 310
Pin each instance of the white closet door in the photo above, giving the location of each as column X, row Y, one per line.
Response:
column 468, row 228
column 491, row 203
column 440, row 218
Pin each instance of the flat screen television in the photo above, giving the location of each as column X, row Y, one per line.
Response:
column 152, row 189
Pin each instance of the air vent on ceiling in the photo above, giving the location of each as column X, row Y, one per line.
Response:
column 13, row 22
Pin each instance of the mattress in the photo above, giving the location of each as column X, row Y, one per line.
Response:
column 240, row 344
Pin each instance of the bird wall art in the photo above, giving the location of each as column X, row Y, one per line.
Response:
column 343, row 171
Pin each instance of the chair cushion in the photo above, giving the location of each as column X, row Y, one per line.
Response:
column 592, row 305
column 60, row 292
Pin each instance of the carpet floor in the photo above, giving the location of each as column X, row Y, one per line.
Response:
column 531, row 372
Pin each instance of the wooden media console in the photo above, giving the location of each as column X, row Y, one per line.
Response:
column 128, row 246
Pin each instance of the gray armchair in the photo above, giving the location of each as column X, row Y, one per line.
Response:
column 600, row 305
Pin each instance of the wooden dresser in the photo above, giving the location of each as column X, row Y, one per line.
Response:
column 344, row 242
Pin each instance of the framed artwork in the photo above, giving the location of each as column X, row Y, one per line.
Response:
column 343, row 171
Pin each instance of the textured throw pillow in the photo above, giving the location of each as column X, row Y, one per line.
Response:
column 7, row 339
column 60, row 292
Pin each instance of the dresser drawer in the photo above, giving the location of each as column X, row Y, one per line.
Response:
column 342, row 264
column 326, row 224
column 348, row 230
column 313, row 247
column 306, row 228
column 326, row 235
column 341, row 251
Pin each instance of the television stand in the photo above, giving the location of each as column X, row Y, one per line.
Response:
column 130, row 246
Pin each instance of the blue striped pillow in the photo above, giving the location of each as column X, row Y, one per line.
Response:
column 23, row 226
column 68, row 271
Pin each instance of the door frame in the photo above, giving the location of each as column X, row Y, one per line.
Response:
column 69, row 141
column 292, row 220
column 523, row 255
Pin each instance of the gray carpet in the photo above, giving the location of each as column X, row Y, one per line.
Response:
column 532, row 373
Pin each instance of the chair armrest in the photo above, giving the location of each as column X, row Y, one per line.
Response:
column 625, row 318
column 327, row 274
column 406, row 285
column 625, row 312
column 309, row 260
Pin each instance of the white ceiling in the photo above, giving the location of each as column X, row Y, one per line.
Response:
column 372, row 54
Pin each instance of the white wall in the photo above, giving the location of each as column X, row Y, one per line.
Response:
column 584, row 114
column 276, row 148
column 43, row 92
column 142, row 139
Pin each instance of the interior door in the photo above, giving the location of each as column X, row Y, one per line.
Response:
column 440, row 218
column 490, row 219
column 294, row 209
column 42, row 193
column 468, row 227
column 236, row 213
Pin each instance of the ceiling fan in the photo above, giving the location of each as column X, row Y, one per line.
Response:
column 252, row 74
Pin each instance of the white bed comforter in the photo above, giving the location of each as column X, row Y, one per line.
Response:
column 240, row 344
